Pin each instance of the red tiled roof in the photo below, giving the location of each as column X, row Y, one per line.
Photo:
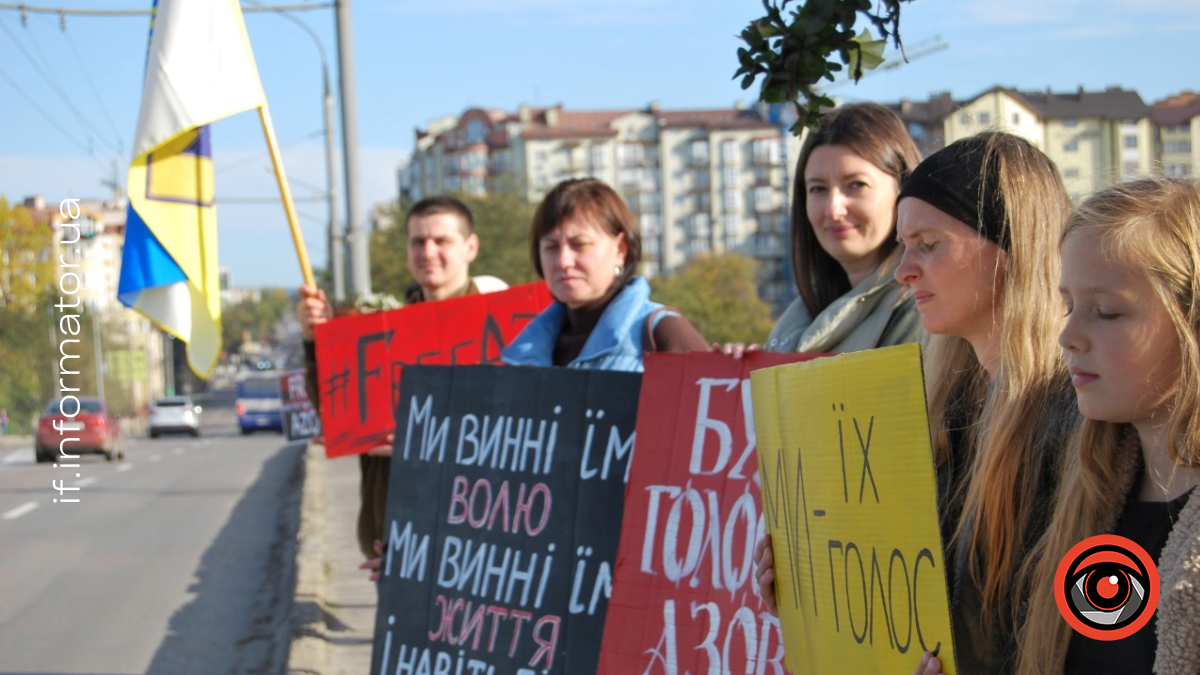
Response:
column 1175, row 109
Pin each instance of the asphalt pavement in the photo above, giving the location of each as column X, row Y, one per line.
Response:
column 178, row 560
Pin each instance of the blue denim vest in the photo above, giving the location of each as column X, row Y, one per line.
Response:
column 615, row 342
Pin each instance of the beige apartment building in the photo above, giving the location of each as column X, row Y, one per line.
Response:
column 698, row 181
column 132, row 346
column 1177, row 122
column 1095, row 138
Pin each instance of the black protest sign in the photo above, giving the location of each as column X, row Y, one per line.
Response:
column 503, row 519
column 299, row 418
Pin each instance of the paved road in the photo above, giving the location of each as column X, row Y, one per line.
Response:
column 175, row 561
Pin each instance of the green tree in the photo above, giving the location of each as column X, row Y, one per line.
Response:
column 718, row 295
column 26, row 344
column 26, row 259
column 793, row 49
column 255, row 319
column 502, row 223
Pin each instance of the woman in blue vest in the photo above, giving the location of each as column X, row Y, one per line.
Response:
column 586, row 245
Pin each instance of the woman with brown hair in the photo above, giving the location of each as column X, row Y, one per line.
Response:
column 585, row 243
column 843, row 247
column 979, row 221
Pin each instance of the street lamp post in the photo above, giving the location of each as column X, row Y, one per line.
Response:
column 335, row 238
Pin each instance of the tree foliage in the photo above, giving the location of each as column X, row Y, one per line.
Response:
column 26, row 259
column 718, row 295
column 255, row 319
column 502, row 223
column 793, row 49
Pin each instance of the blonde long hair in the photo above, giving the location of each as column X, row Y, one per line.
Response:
column 1154, row 225
column 1021, row 392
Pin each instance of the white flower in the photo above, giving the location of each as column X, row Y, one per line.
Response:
column 376, row 302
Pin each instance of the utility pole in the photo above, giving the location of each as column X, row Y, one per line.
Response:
column 337, row 240
column 356, row 235
column 99, row 355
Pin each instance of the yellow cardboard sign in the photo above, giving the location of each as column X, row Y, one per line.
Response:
column 850, row 498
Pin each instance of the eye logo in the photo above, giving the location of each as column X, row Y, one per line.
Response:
column 1106, row 587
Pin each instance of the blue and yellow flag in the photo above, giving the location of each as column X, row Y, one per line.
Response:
column 199, row 68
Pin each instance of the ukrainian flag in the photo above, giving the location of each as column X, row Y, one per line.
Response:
column 199, row 68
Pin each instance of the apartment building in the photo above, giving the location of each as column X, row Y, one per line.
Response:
column 1095, row 138
column 926, row 120
column 1177, row 137
column 132, row 346
column 698, row 181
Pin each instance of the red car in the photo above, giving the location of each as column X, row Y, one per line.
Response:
column 95, row 427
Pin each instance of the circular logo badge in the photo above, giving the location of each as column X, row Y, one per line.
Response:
column 1106, row 587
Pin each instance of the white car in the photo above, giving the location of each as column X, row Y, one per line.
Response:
column 174, row 413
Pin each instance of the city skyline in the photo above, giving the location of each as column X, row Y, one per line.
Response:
column 467, row 53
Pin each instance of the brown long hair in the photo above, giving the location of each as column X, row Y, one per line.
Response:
column 1153, row 224
column 877, row 135
column 1020, row 400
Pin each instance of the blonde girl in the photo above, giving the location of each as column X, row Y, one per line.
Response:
column 1131, row 285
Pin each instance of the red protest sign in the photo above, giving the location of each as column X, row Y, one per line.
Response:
column 684, row 598
column 359, row 357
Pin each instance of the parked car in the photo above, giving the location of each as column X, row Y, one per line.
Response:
column 174, row 414
column 94, row 426
column 258, row 403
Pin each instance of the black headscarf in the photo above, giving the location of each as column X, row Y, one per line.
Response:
column 961, row 180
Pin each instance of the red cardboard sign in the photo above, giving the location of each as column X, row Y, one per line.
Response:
column 684, row 597
column 359, row 358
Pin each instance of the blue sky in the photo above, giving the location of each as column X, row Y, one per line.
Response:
column 421, row 59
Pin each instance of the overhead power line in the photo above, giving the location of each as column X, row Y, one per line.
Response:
column 63, row 12
column 29, row 99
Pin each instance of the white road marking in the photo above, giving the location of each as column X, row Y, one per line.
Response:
column 178, row 451
column 156, row 458
column 85, row 482
column 20, row 510
column 22, row 456
column 124, row 467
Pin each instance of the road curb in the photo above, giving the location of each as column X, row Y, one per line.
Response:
column 309, row 653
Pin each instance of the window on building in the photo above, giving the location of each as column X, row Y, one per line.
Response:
column 1071, row 146
column 729, row 175
column 732, row 226
column 699, row 153
column 651, row 224
column 631, row 176
column 766, row 151
column 651, row 202
column 1129, row 168
column 964, row 118
column 701, row 225
column 703, row 201
column 985, row 118
column 630, row 154
column 1177, row 170
column 730, row 200
column 476, row 132
column 1071, row 173
column 1131, row 141
column 728, row 152
column 1016, row 119
column 700, row 246
column 764, row 199
column 1070, row 122
column 1177, row 146
column 649, row 269
column 650, row 246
